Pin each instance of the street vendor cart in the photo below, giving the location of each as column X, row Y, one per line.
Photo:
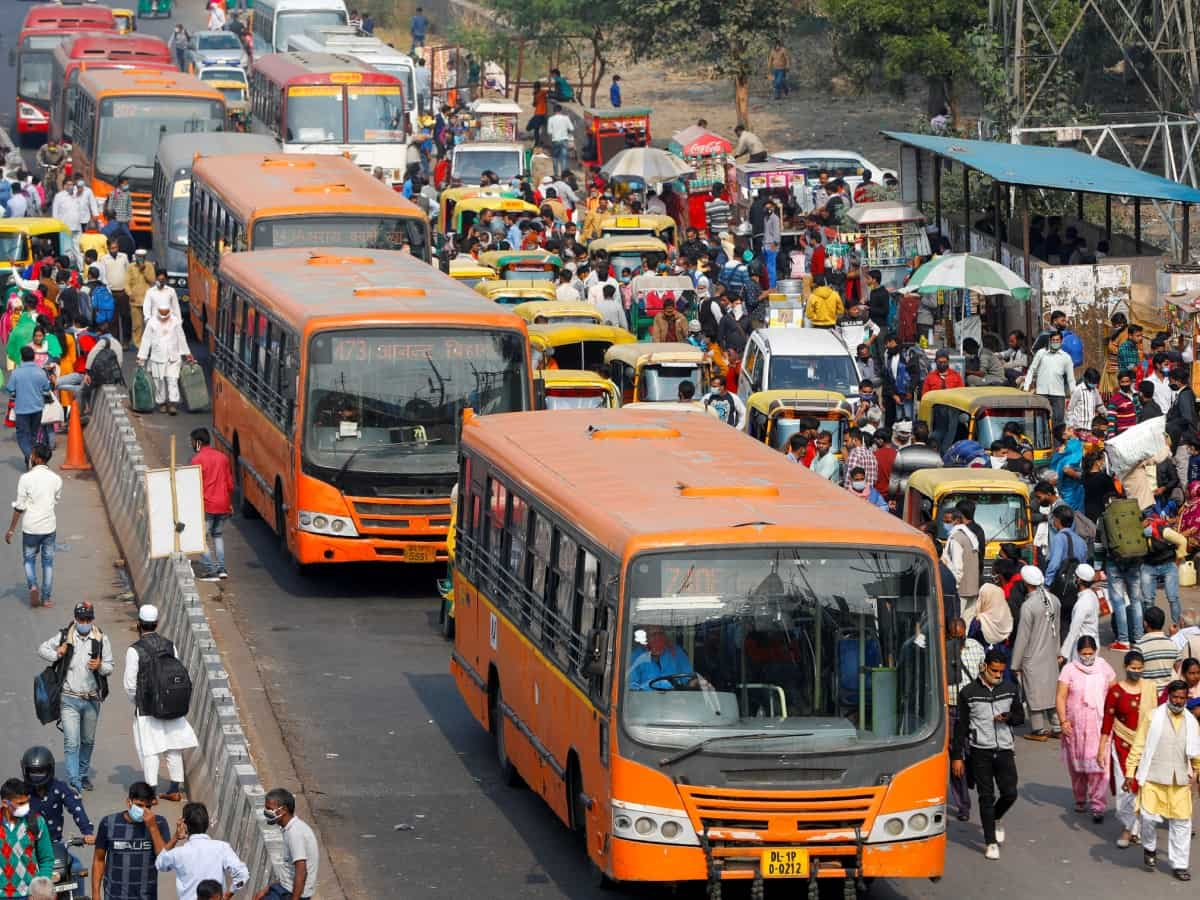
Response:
column 886, row 235
column 609, row 131
column 785, row 182
column 494, row 120
column 709, row 155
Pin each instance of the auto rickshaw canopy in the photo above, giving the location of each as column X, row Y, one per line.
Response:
column 511, row 292
column 817, row 403
column 520, row 261
column 936, row 483
column 645, row 225
column 973, row 399
column 577, row 384
column 559, row 312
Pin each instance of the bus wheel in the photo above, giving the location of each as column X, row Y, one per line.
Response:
column 508, row 772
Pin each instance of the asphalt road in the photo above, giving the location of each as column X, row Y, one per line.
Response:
column 358, row 679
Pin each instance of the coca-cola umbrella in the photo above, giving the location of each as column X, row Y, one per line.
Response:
column 697, row 141
column 649, row 164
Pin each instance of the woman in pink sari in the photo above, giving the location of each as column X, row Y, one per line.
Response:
column 1082, row 687
column 1189, row 517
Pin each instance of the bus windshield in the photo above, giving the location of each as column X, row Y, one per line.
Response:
column 382, row 398
column 367, row 232
column 403, row 73
column 314, row 114
column 290, row 23
column 131, row 127
column 177, row 227
column 823, row 373
column 827, row 650
column 376, row 114
column 34, row 76
column 470, row 164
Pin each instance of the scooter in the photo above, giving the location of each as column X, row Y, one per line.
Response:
column 70, row 883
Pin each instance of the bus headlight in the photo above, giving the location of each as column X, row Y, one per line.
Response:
column 908, row 824
column 323, row 523
column 30, row 112
column 652, row 824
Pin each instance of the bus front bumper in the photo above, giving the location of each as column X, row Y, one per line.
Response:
column 637, row 861
column 320, row 548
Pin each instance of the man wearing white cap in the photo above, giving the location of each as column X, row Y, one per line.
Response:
column 1085, row 614
column 155, row 296
column 165, row 347
column 1035, row 654
column 153, row 737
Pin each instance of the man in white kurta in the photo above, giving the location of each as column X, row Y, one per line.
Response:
column 165, row 347
column 152, row 738
column 1085, row 615
column 1161, row 766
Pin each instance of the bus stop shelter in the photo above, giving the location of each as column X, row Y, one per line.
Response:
column 1025, row 167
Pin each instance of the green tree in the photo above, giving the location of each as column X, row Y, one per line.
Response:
column 894, row 40
column 727, row 38
column 577, row 32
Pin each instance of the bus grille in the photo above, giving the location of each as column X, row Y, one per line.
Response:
column 367, row 508
column 784, row 815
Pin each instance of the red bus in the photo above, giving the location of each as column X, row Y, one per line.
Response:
column 331, row 103
column 98, row 51
column 46, row 27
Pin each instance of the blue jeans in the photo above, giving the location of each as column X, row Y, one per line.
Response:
column 772, row 260
column 1125, row 582
column 216, row 533
column 779, row 76
column 1170, row 573
column 277, row 892
column 27, row 429
column 30, row 545
column 79, row 718
column 560, row 150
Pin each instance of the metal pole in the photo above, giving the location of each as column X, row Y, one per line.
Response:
column 1108, row 218
column 1079, row 206
column 1137, row 225
column 937, row 195
column 996, row 220
column 1183, row 245
column 967, row 206
column 1025, row 252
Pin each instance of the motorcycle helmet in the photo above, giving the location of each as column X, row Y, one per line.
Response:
column 37, row 766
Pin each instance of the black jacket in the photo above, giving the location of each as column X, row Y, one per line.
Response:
column 1149, row 410
column 1181, row 417
column 880, row 301
column 977, row 728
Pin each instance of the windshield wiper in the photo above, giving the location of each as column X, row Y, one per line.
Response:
column 708, row 742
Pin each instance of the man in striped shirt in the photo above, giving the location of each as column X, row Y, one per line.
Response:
column 716, row 210
column 1123, row 406
column 1158, row 650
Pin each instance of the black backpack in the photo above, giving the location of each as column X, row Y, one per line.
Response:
column 164, row 688
column 106, row 367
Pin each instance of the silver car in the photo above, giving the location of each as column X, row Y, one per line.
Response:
column 215, row 48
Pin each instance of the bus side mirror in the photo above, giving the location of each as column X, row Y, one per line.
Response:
column 539, row 392
column 597, row 653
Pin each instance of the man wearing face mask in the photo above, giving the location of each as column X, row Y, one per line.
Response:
column 123, row 864
column 24, row 841
column 1052, row 374
column 988, row 709
column 1124, row 405
column 301, row 856
column 1161, row 765
column 89, row 663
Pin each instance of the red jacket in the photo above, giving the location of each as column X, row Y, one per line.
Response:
column 938, row 381
column 217, row 475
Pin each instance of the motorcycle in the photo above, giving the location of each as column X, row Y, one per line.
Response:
column 70, row 878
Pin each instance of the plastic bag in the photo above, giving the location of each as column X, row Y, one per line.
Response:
column 1135, row 445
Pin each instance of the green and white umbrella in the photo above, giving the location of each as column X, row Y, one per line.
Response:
column 962, row 271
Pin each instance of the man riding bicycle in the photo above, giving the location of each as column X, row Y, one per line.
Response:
column 52, row 158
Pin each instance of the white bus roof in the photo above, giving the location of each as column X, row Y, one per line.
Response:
column 486, row 107
column 292, row 5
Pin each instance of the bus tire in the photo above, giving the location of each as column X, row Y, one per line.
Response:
column 508, row 772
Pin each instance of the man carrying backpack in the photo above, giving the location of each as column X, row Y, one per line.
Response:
column 89, row 662
column 158, row 685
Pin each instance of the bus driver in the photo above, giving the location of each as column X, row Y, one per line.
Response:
column 659, row 666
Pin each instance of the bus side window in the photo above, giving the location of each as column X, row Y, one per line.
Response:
column 494, row 526
column 566, row 568
column 518, row 521
column 247, row 338
column 539, row 573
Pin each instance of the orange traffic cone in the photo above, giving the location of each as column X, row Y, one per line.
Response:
column 76, row 454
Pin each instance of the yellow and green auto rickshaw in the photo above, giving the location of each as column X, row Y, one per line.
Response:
column 1001, row 505
column 523, row 265
column 575, row 389
column 468, row 209
column 637, row 255
column 559, row 312
column 513, row 293
column 450, row 198
column 980, row 414
column 574, row 346
column 22, row 240
column 652, row 372
column 654, row 226
column 774, row 416
column 469, row 272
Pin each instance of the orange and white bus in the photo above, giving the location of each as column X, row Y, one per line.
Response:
column 340, row 377
column 92, row 51
column 121, row 115
column 705, row 659
column 255, row 201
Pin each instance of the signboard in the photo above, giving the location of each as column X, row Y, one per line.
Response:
column 182, row 518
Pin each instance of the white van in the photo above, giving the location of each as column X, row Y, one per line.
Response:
column 797, row 359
